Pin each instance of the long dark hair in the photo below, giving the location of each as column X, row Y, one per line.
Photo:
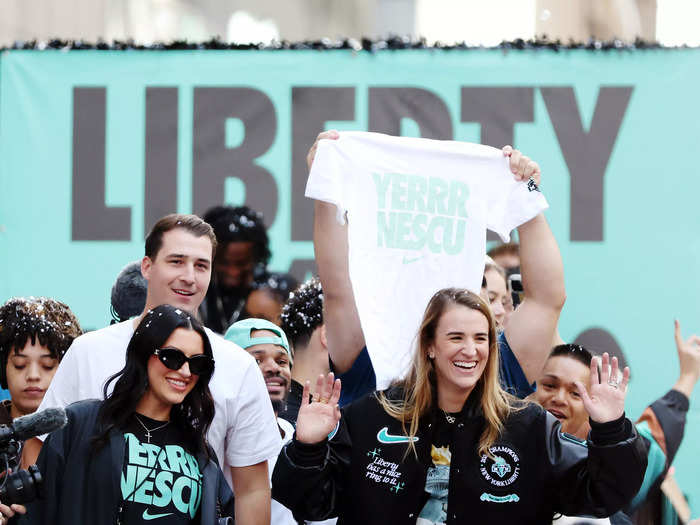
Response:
column 193, row 416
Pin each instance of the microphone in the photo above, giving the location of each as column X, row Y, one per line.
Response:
column 31, row 425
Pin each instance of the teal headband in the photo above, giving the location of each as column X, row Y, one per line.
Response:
column 239, row 333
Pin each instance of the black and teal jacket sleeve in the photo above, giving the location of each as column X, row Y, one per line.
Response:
column 311, row 479
column 597, row 477
column 662, row 426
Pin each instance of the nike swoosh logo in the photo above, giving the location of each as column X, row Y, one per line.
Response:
column 409, row 260
column 148, row 516
column 383, row 436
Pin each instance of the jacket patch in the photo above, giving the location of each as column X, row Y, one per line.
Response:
column 503, row 470
column 514, row 498
column 383, row 472
column 383, row 436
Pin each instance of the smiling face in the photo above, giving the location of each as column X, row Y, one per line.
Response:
column 557, row 393
column 234, row 266
column 460, row 351
column 168, row 387
column 179, row 273
column 29, row 373
column 274, row 365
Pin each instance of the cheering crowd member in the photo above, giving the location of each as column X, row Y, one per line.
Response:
column 531, row 328
column 141, row 454
column 34, row 335
column 268, row 297
column 267, row 343
column 497, row 289
column 449, row 440
column 177, row 265
column 661, row 426
column 241, row 259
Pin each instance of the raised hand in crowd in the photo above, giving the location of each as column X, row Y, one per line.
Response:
column 689, row 361
column 330, row 134
column 606, row 399
column 523, row 167
column 318, row 417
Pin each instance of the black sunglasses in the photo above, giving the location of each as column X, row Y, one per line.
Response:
column 173, row 358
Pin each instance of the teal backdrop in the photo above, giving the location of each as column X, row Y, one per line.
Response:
column 95, row 144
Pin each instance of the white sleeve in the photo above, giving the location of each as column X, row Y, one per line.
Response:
column 511, row 203
column 63, row 389
column 326, row 180
column 252, row 435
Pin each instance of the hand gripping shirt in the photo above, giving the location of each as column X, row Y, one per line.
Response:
column 417, row 213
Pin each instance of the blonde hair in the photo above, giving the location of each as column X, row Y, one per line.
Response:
column 420, row 385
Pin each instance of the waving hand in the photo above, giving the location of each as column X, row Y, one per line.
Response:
column 318, row 418
column 606, row 399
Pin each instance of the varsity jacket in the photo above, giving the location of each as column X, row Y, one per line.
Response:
column 83, row 488
column 365, row 473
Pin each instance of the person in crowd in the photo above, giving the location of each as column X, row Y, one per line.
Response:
column 177, row 265
column 268, row 344
column 530, row 330
column 302, row 321
column 448, row 444
column 35, row 333
column 128, row 293
column 241, row 259
column 267, row 298
column 499, row 296
column 661, row 425
column 507, row 256
column 140, row 454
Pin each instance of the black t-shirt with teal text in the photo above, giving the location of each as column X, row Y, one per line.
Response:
column 160, row 481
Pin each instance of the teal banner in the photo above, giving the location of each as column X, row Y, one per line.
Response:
column 96, row 145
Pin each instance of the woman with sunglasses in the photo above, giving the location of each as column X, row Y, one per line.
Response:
column 141, row 454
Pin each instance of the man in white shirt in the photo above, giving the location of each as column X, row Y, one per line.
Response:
column 177, row 266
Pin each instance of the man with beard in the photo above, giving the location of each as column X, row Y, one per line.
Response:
column 267, row 343
column 240, row 260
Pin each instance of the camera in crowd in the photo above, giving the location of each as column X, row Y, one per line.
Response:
column 23, row 486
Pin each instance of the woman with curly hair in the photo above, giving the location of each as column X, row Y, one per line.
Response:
column 35, row 333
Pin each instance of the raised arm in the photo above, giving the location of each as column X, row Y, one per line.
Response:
column 689, row 361
column 531, row 329
column 340, row 317
column 311, row 470
column 602, row 479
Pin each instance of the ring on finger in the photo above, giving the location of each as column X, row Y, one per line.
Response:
column 614, row 384
column 323, row 400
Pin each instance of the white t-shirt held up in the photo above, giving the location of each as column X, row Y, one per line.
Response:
column 417, row 213
column 244, row 430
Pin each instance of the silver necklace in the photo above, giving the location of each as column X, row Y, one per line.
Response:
column 450, row 419
column 148, row 432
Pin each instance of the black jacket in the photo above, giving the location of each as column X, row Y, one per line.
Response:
column 80, row 488
column 546, row 470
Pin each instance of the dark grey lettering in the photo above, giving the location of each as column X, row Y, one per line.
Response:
column 598, row 340
column 213, row 162
column 497, row 109
column 586, row 153
column 312, row 107
column 301, row 268
column 160, row 192
column 388, row 105
column 92, row 220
